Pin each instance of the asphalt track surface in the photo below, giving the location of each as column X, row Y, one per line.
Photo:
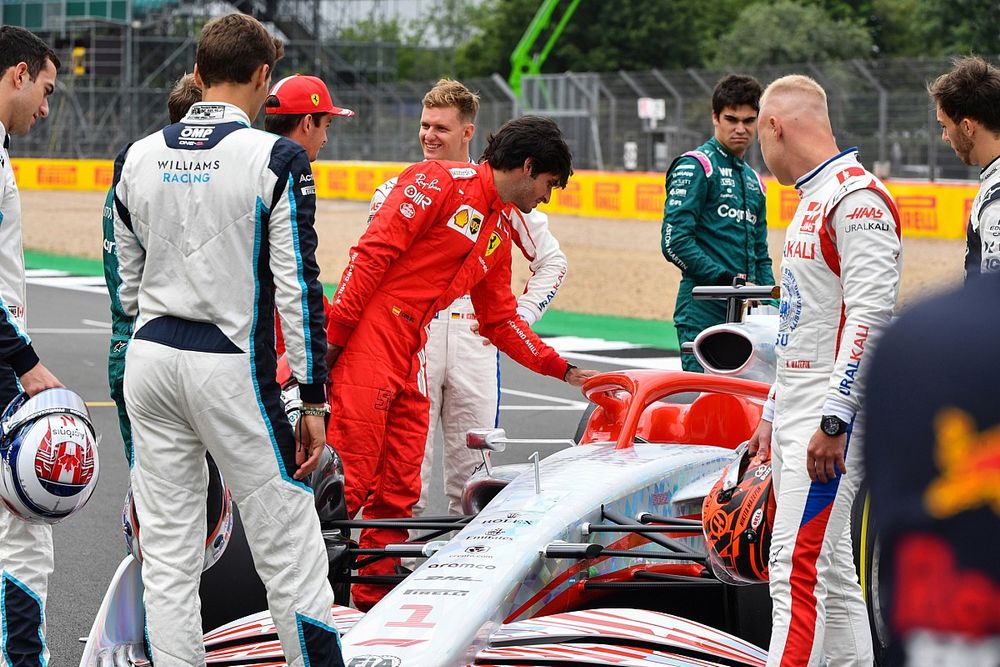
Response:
column 70, row 329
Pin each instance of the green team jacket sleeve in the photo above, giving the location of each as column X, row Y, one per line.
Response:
column 687, row 196
column 764, row 272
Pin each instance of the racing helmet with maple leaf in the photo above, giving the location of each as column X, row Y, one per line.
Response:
column 219, row 515
column 48, row 455
column 738, row 517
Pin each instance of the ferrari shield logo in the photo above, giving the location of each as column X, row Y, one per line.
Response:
column 315, row 99
column 493, row 243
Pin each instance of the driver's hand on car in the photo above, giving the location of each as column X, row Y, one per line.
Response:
column 760, row 441
column 577, row 376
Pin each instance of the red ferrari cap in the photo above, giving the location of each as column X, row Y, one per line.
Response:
column 301, row 94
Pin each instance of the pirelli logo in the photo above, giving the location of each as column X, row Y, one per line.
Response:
column 338, row 179
column 568, row 196
column 59, row 175
column 103, row 176
column 918, row 212
column 649, row 197
column 789, row 204
column 607, row 196
column 365, row 180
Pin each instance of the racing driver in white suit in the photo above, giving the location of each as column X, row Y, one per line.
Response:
column 840, row 273
column 463, row 369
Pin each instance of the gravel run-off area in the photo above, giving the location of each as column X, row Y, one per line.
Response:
column 616, row 267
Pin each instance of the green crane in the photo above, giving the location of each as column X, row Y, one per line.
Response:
column 521, row 59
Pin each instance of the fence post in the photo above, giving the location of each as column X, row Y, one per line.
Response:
column 883, row 107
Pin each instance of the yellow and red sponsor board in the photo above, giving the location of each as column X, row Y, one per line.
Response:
column 933, row 210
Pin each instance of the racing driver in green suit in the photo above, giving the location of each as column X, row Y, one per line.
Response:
column 714, row 219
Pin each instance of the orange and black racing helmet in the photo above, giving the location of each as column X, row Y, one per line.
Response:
column 738, row 516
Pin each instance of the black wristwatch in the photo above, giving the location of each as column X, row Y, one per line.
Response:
column 833, row 425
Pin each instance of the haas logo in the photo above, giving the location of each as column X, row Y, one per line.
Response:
column 63, row 467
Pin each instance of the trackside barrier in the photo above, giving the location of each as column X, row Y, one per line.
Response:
column 930, row 210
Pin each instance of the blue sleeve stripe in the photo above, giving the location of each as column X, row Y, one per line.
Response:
column 258, row 230
column 300, row 275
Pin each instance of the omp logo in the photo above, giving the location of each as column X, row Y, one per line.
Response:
column 196, row 132
column 375, row 661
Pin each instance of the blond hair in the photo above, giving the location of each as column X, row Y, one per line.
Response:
column 449, row 93
column 798, row 85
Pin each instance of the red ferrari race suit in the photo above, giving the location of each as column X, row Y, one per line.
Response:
column 440, row 234
column 463, row 372
column 839, row 281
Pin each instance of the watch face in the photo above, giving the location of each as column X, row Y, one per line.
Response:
column 831, row 425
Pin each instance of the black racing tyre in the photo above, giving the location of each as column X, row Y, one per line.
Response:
column 867, row 558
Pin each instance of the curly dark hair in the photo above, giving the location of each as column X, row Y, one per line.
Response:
column 735, row 90
column 534, row 137
column 970, row 90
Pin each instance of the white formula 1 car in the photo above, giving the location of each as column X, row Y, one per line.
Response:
column 592, row 556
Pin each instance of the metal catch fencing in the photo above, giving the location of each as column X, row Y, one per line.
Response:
column 880, row 106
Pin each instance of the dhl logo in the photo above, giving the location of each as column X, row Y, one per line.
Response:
column 969, row 461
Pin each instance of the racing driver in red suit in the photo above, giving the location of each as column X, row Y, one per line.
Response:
column 438, row 235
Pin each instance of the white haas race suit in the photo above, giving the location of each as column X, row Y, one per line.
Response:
column 982, row 249
column 463, row 373
column 840, row 274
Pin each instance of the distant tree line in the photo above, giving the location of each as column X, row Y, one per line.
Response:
column 611, row 35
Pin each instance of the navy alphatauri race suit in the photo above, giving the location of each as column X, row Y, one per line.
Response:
column 714, row 228
column 213, row 222
column 982, row 250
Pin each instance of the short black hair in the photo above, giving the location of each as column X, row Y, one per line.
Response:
column 736, row 90
column 970, row 90
column 283, row 123
column 530, row 137
column 18, row 45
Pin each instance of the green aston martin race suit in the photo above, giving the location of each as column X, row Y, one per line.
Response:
column 121, row 326
column 714, row 228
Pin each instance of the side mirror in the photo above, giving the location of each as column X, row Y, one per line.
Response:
column 492, row 439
